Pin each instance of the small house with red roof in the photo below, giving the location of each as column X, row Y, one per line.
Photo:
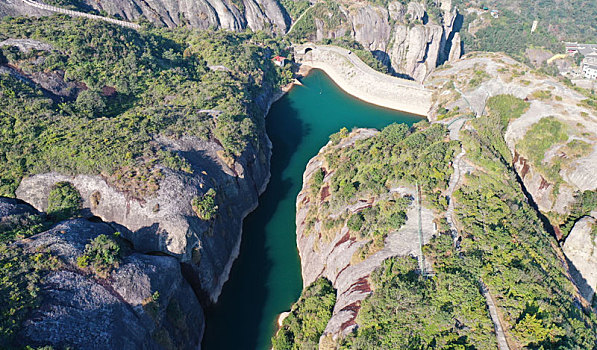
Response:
column 279, row 61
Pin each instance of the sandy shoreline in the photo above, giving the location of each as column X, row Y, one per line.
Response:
column 363, row 82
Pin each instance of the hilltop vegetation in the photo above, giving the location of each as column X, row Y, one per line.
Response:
column 569, row 20
column 396, row 156
column 503, row 243
column 506, row 244
column 409, row 311
column 125, row 88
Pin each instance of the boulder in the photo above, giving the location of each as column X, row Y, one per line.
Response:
column 580, row 249
column 145, row 303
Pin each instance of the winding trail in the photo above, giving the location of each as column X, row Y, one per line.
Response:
column 298, row 19
column 81, row 14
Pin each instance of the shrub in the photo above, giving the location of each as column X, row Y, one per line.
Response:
column 20, row 276
column 205, row 206
column 355, row 222
column 64, row 201
column 102, row 254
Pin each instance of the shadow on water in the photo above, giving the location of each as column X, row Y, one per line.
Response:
column 266, row 278
column 235, row 320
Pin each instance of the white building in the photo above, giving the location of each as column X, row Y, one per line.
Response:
column 589, row 66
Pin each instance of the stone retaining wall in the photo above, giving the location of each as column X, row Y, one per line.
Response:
column 358, row 79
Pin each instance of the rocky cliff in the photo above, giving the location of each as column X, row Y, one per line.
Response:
column 336, row 253
column 580, row 250
column 406, row 38
column 204, row 14
column 165, row 222
column 551, row 145
column 144, row 302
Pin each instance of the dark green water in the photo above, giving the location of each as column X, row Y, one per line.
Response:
column 266, row 278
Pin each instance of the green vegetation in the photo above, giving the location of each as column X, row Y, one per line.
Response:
column 133, row 86
column 308, row 318
column 506, row 245
column 507, row 107
column 20, row 226
column 567, row 20
column 20, row 274
column 510, row 33
column 584, row 204
column 327, row 11
column 542, row 136
column 358, row 49
column 364, row 174
column 205, row 206
column 64, row 201
column 503, row 245
column 102, row 254
column 295, row 7
column 408, row 311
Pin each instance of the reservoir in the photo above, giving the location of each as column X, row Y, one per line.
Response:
column 266, row 278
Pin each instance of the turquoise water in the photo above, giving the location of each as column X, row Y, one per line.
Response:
column 266, row 278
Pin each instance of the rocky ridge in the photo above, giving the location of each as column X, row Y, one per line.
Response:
column 334, row 259
column 401, row 36
column 549, row 99
column 580, row 250
column 204, row 14
column 165, row 222
column 85, row 311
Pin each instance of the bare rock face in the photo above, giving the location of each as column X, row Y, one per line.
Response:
column 371, row 27
column 19, row 8
column 413, row 45
column 415, row 51
column 580, row 249
column 334, row 259
column 456, row 48
column 165, row 222
column 121, row 311
column 11, row 207
column 415, row 10
column 26, row 45
column 396, row 10
column 203, row 14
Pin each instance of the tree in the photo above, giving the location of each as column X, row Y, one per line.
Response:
column 91, row 103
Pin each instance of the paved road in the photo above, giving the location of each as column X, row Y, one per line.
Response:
column 81, row 14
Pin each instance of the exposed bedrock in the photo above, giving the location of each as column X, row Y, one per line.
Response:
column 334, row 258
column 165, row 222
column 580, row 248
column 120, row 311
column 412, row 49
column 403, row 37
column 203, row 14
